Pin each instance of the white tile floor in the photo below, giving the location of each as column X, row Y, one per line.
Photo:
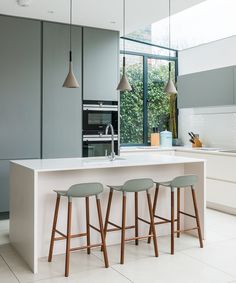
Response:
column 216, row 263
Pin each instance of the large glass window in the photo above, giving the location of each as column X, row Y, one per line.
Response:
column 131, row 103
column 147, row 105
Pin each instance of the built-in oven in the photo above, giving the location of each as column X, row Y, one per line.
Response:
column 97, row 114
column 98, row 145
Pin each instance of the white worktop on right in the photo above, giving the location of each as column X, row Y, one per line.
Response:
column 220, row 172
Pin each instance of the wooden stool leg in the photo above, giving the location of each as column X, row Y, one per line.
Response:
column 178, row 212
column 136, row 216
column 153, row 229
column 197, row 217
column 68, row 238
column 122, row 252
column 154, row 209
column 54, row 228
column 172, row 221
column 87, row 224
column 108, row 212
column 102, row 232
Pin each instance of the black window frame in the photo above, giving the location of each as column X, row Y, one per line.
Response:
column 145, row 57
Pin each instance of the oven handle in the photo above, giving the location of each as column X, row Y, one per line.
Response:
column 99, row 139
column 90, row 107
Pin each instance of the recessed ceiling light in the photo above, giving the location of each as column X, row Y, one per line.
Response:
column 51, row 12
column 112, row 22
column 23, row 3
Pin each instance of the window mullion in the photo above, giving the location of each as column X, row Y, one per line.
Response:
column 145, row 100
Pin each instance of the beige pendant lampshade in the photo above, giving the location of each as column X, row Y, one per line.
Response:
column 70, row 81
column 124, row 82
column 170, row 87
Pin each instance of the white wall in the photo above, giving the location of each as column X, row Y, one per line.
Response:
column 218, row 54
column 216, row 125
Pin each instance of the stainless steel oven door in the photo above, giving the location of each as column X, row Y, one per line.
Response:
column 98, row 146
column 96, row 119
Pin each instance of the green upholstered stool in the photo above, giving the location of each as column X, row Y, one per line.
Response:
column 84, row 190
column 187, row 181
column 132, row 186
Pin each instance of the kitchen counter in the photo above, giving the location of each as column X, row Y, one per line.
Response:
column 204, row 150
column 32, row 199
column 64, row 164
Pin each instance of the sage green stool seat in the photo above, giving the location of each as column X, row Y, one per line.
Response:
column 84, row 190
column 132, row 186
column 187, row 182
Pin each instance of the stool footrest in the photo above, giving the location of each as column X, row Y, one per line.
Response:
column 187, row 214
column 139, row 238
column 165, row 220
column 72, row 236
column 95, row 228
column 86, row 247
column 118, row 227
column 186, row 230
column 143, row 220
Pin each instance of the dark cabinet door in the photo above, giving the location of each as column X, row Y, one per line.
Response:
column 62, row 107
column 208, row 88
column 19, row 88
column 100, row 64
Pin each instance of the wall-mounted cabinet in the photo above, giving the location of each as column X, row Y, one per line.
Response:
column 100, row 64
column 208, row 88
column 62, row 107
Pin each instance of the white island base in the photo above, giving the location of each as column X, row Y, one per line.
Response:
column 32, row 199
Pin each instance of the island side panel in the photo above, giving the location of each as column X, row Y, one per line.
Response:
column 199, row 169
column 62, row 180
column 23, row 182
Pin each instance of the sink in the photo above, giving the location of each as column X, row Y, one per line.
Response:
column 101, row 159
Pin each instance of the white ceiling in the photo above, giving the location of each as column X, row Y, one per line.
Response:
column 97, row 13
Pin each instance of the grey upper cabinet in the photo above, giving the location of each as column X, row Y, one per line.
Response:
column 208, row 88
column 62, row 115
column 19, row 88
column 100, row 64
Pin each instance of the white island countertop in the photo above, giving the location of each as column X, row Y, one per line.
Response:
column 63, row 164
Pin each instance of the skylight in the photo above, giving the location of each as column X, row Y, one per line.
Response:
column 206, row 22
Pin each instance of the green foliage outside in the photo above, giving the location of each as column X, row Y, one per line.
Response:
column 159, row 107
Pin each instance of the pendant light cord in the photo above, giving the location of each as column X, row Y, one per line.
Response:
column 124, row 34
column 169, row 36
column 70, row 30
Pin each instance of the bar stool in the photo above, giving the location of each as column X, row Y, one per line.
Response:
column 84, row 190
column 132, row 186
column 187, row 181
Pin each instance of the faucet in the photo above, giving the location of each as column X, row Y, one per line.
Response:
column 112, row 156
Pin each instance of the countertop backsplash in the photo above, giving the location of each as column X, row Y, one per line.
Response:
column 215, row 125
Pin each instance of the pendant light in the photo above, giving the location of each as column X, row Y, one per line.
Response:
column 124, row 83
column 170, row 87
column 70, row 81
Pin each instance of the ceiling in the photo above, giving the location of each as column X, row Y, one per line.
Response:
column 97, row 13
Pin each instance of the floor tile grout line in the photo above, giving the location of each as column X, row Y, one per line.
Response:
column 114, row 269
column 207, row 264
column 10, row 268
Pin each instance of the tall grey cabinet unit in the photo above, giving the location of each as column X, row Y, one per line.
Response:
column 19, row 95
column 208, row 88
column 62, row 114
column 100, row 64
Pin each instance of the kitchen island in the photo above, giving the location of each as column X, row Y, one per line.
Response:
column 32, row 199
